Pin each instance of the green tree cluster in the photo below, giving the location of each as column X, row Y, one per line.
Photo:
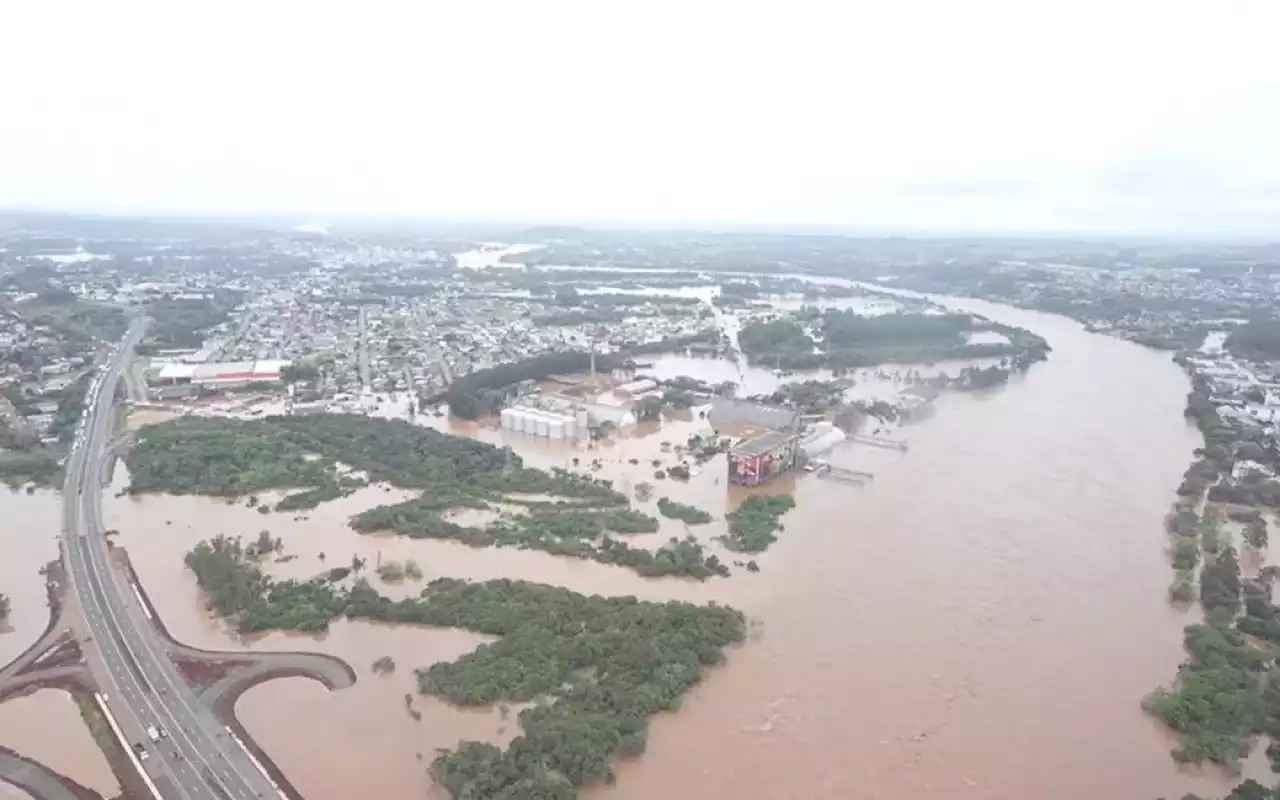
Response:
column 596, row 668
column 224, row 457
column 1213, row 705
column 229, row 457
column 180, row 323
column 40, row 468
column 754, row 524
column 850, row 340
column 70, row 409
column 1220, row 583
column 691, row 515
column 1259, row 338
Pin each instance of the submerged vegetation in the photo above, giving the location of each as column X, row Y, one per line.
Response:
column 1227, row 692
column 690, row 515
column 843, row 339
column 1213, row 705
column 596, row 669
column 755, row 523
column 231, row 457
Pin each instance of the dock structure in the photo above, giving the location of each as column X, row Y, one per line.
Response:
column 828, row 472
column 879, row 441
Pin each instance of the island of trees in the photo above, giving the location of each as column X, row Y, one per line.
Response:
column 691, row 515
column 315, row 455
column 5, row 608
column 844, row 339
column 753, row 526
column 596, row 669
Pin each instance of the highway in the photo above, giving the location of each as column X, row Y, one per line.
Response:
column 195, row 759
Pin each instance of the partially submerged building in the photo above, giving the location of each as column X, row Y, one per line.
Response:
column 769, row 449
column 761, row 458
column 557, row 416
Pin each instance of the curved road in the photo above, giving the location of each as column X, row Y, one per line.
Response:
column 196, row 760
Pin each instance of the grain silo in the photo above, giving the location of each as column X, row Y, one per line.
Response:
column 508, row 417
column 543, row 423
column 556, row 429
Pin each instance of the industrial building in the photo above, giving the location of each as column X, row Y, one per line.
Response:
column 772, row 443
column 762, row 457
column 236, row 373
column 727, row 411
column 539, row 422
column 556, row 416
column 820, row 438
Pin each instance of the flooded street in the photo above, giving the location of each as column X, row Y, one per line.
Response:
column 979, row 621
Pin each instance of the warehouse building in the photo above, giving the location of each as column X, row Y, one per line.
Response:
column 762, row 458
column 226, row 374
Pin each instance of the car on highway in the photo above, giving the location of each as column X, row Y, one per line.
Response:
column 140, row 751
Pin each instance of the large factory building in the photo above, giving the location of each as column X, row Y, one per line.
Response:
column 770, row 443
column 236, row 373
column 761, row 458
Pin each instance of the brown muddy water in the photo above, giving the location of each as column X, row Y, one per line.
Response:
column 980, row 621
column 60, row 740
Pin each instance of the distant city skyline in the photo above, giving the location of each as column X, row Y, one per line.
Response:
column 995, row 117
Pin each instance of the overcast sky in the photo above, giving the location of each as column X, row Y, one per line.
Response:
column 984, row 115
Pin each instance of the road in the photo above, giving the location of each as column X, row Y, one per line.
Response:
column 196, row 760
column 366, row 379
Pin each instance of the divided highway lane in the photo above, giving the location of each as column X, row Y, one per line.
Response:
column 143, row 686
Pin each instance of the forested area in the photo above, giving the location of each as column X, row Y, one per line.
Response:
column 225, row 457
column 70, row 409
column 565, row 530
column 844, row 339
column 1214, row 706
column 75, row 319
column 38, row 467
column 181, row 323
column 753, row 526
column 601, row 667
column 1259, row 338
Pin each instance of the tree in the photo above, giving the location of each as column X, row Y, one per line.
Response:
column 1255, row 533
column 4, row 609
column 649, row 408
column 302, row 371
column 1220, row 583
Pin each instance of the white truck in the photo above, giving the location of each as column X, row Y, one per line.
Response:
column 153, row 733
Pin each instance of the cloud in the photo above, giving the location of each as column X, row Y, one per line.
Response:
column 919, row 114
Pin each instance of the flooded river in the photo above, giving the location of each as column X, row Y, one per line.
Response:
column 980, row 621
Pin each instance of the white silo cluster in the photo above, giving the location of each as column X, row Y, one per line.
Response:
column 540, row 422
